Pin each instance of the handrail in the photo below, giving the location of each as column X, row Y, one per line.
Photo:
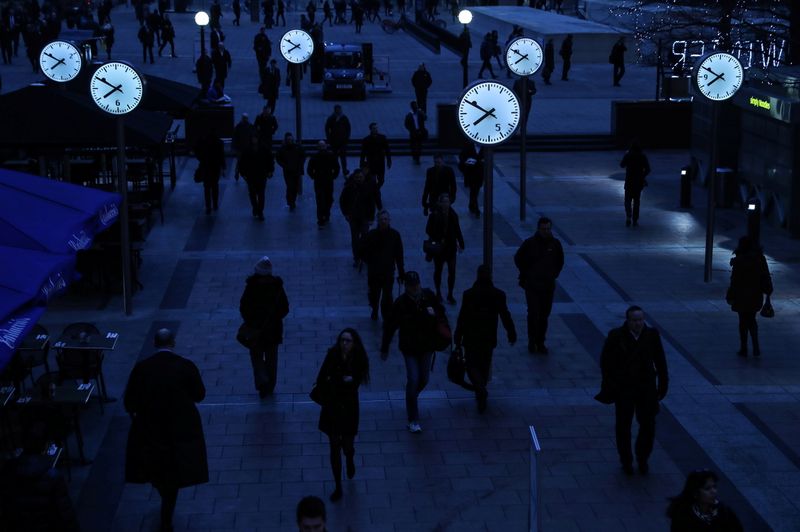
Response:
column 535, row 513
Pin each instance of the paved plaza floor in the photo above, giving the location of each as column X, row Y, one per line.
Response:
column 465, row 471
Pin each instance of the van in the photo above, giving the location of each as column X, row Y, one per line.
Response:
column 344, row 71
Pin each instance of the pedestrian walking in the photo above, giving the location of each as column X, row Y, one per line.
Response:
column 153, row 22
column 237, row 12
column 263, row 306
column 280, row 15
column 146, row 37
column 262, row 47
column 516, row 33
column 339, row 10
column 444, row 229
column 311, row 12
column 750, row 281
column 266, row 125
column 421, row 81
column 108, row 37
column 635, row 379
column 210, row 153
column 221, row 58
column 256, row 164
column 415, row 314
column 337, row 133
column 268, row 7
column 470, row 163
column 382, row 249
column 215, row 14
column 205, row 72
column 271, row 84
column 166, row 446
column 637, row 168
column 496, row 50
column 215, row 38
column 6, row 40
column 476, row 330
column 358, row 200
column 486, row 52
column 328, row 13
column 311, row 515
column 417, row 133
column 358, row 15
column 344, row 369
column 566, row 57
column 439, row 179
column 323, row 169
column 525, row 91
column 697, row 509
column 167, row 36
column 241, row 141
column 549, row 61
column 375, row 152
column 539, row 260
column 617, row 59
column 291, row 157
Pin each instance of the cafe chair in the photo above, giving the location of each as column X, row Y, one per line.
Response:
column 30, row 359
column 84, row 364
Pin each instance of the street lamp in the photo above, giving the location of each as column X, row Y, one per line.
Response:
column 465, row 17
column 201, row 19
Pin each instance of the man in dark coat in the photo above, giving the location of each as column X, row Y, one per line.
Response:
column 637, row 168
column 414, row 313
column 486, row 52
column 549, row 61
column 381, row 249
column 415, row 125
column 266, row 125
column 292, row 157
column 263, row 306
column 242, row 137
column 147, row 38
column 470, row 162
column 210, row 153
column 337, row 133
column 566, row 56
column 222, row 63
column 256, row 165
column 617, row 58
column 271, row 84
column 262, row 46
column 166, row 446
column 323, row 168
column 439, row 179
column 476, row 330
column 631, row 362
column 374, row 151
column 421, row 80
column 539, row 260
column 205, row 72
column 358, row 200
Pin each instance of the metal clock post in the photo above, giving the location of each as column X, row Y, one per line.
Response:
column 296, row 47
column 488, row 114
column 524, row 58
column 126, row 91
column 711, row 82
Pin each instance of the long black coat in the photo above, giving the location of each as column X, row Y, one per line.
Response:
column 473, row 173
column 445, row 229
column 166, row 443
column 375, row 151
column 631, row 368
column 750, row 280
column 477, row 321
column 337, row 130
column 358, row 201
column 637, row 168
column 416, row 321
column 381, row 249
column 323, row 167
column 685, row 520
column 264, row 304
column 438, row 180
column 342, row 414
column 539, row 261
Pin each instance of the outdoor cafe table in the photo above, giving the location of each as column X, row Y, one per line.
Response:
column 91, row 342
column 70, row 396
column 34, row 342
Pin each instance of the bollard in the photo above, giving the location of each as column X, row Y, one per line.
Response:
column 686, row 188
column 753, row 212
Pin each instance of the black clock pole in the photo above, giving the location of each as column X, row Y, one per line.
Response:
column 122, row 188
column 298, row 115
column 523, row 159
column 488, row 204
column 712, row 191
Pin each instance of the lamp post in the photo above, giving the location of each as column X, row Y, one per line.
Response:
column 465, row 17
column 201, row 19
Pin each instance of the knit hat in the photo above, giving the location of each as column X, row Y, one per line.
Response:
column 264, row 266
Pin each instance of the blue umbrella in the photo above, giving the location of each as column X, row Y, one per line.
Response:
column 47, row 215
column 13, row 329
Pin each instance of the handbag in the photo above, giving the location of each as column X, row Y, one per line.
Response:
column 767, row 310
column 321, row 394
column 432, row 247
column 248, row 336
column 456, row 366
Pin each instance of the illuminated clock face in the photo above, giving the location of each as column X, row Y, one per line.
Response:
column 296, row 46
column 116, row 88
column 488, row 112
column 524, row 56
column 718, row 76
column 60, row 61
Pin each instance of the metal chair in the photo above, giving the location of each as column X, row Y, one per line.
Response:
column 84, row 364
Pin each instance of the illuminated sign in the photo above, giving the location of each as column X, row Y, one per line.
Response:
column 750, row 53
column 761, row 104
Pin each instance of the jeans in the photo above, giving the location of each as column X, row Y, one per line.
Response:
column 438, row 266
column 645, row 410
column 380, row 284
column 291, row 179
column 635, row 199
column 540, row 304
column 479, row 367
column 265, row 367
column 340, row 151
column 323, row 193
column 418, row 371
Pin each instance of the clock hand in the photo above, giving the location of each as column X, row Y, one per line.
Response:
column 115, row 89
column 59, row 62
column 107, row 83
column 712, row 72
column 51, row 56
column 719, row 76
column 490, row 112
column 521, row 58
column 516, row 51
column 293, row 46
column 474, row 103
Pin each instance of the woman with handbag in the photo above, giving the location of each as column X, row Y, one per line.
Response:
column 345, row 368
column 750, row 280
column 444, row 229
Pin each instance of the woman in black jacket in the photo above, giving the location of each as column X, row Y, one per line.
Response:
column 750, row 280
column 696, row 508
column 345, row 367
column 443, row 228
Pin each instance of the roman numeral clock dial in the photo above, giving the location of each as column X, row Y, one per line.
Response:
column 718, row 76
column 116, row 88
column 488, row 112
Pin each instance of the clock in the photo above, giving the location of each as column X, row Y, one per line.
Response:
column 60, row 61
column 524, row 56
column 296, row 46
column 116, row 88
column 718, row 76
column 488, row 112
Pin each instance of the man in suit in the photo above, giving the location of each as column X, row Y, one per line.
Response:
column 375, row 152
column 635, row 379
column 476, row 330
column 421, row 80
column 470, row 162
column 337, row 133
column 415, row 125
column 637, row 168
column 439, row 179
column 270, row 84
column 323, row 168
column 166, row 446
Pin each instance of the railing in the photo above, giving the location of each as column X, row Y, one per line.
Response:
column 535, row 515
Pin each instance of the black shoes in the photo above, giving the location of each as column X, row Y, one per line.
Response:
column 336, row 495
column 482, row 401
column 628, row 469
column 644, row 468
column 541, row 349
column 628, row 222
column 743, row 352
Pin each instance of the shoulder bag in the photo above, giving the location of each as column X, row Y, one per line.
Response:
column 767, row 311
